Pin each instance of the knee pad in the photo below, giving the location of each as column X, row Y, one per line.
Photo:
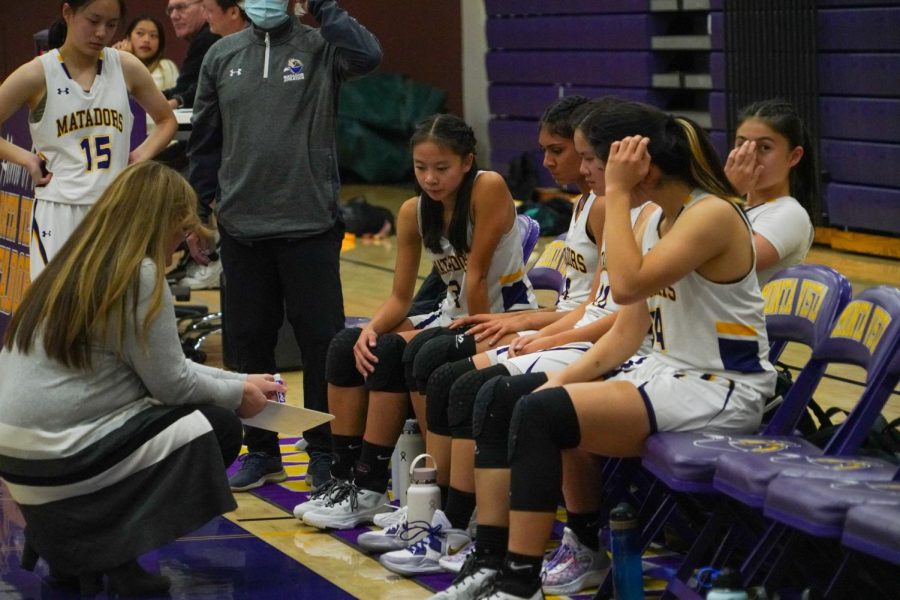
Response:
column 437, row 394
column 492, row 415
column 462, row 397
column 546, row 423
column 340, row 364
column 413, row 347
column 388, row 373
column 439, row 351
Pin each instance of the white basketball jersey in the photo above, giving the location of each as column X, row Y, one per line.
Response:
column 580, row 257
column 84, row 136
column 709, row 328
column 603, row 303
column 508, row 287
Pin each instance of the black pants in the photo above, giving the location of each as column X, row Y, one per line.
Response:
column 265, row 277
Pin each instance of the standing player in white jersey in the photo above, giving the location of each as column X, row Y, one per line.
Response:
column 80, row 120
column 773, row 165
column 691, row 281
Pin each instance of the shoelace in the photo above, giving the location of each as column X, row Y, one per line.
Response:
column 415, row 528
column 562, row 553
column 333, row 492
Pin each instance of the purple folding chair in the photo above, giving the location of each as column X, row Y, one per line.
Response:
column 867, row 334
column 802, row 303
column 875, row 530
column 530, row 231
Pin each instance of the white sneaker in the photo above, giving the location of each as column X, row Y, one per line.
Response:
column 201, row 277
column 331, row 493
column 392, row 537
column 386, row 519
column 358, row 506
column 472, row 582
column 573, row 567
column 454, row 562
column 422, row 557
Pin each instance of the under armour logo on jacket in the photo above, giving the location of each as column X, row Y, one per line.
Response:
column 61, row 91
column 234, row 72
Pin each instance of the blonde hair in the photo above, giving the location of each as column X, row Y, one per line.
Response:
column 90, row 290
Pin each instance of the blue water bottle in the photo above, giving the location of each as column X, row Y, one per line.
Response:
column 726, row 586
column 625, row 533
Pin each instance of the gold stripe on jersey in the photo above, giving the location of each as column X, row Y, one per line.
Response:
column 511, row 277
column 725, row 328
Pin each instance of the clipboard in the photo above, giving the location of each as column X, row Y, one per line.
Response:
column 284, row 418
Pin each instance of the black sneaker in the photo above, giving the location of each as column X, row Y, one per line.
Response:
column 258, row 469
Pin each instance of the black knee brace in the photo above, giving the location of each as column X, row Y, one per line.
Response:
column 462, row 398
column 491, row 417
column 388, row 373
column 340, row 364
column 546, row 423
column 437, row 394
column 439, row 351
column 413, row 347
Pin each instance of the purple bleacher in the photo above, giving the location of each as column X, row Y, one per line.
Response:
column 686, row 461
column 875, row 530
column 531, row 100
column 863, row 207
column 819, row 507
column 869, row 119
column 546, row 278
column 859, row 74
column 718, row 112
column 626, row 69
column 858, row 29
column 606, row 32
column 520, row 135
column 717, row 70
column 867, row 334
column 717, row 31
column 721, row 142
column 866, row 163
column 542, row 7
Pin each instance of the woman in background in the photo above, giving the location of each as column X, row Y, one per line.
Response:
column 146, row 39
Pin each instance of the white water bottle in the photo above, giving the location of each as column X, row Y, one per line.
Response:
column 409, row 445
column 423, row 498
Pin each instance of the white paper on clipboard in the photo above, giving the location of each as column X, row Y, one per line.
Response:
column 284, row 418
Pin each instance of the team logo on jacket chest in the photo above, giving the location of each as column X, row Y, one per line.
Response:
column 294, row 70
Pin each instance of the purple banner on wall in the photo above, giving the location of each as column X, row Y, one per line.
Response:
column 16, row 198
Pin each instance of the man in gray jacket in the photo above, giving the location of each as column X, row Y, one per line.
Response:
column 263, row 152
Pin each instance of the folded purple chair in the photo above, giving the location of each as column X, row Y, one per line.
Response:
column 867, row 334
column 875, row 530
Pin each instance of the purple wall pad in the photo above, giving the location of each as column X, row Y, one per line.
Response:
column 542, row 7
column 865, row 163
column 721, row 143
column 717, row 70
column 717, row 31
column 868, row 119
column 626, row 69
column 859, row 29
column 859, row 74
column 717, row 110
column 529, row 101
column 606, row 32
column 862, row 207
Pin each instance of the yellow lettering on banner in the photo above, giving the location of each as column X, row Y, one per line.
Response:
column 25, row 207
column 852, row 323
column 9, row 206
column 812, row 293
column 779, row 296
column 21, row 277
column 5, row 268
column 877, row 325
